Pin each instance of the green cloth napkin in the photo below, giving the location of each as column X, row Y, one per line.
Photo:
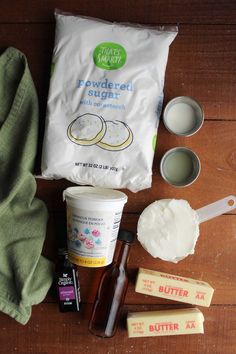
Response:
column 25, row 276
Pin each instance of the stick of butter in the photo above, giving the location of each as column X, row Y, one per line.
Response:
column 173, row 287
column 165, row 323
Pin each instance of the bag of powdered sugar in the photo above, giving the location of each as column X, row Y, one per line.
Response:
column 104, row 103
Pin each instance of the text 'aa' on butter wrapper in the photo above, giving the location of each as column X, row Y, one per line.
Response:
column 165, row 323
column 173, row 287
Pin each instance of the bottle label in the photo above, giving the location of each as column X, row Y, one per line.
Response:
column 66, row 293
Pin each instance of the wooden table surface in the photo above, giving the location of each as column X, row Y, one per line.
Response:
column 201, row 64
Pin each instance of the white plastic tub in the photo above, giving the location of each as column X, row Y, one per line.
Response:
column 93, row 220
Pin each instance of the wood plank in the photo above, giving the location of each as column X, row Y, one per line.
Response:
column 213, row 261
column 68, row 334
column 216, row 148
column 201, row 64
column 202, row 59
column 162, row 11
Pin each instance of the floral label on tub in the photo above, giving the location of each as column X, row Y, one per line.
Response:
column 91, row 236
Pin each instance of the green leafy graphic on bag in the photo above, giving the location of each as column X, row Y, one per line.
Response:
column 109, row 56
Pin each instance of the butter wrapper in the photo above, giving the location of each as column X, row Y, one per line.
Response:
column 174, row 287
column 165, row 323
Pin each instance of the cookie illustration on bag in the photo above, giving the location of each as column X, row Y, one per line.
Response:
column 87, row 129
column 118, row 136
column 90, row 129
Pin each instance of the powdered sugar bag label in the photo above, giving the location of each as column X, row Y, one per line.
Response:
column 104, row 102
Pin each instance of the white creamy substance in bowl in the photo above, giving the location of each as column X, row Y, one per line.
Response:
column 169, row 229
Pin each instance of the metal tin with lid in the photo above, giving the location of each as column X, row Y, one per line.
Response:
column 180, row 167
column 183, row 116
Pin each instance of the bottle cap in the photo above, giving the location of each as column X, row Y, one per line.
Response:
column 125, row 235
column 62, row 252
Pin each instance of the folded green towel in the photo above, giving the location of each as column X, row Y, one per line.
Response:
column 25, row 276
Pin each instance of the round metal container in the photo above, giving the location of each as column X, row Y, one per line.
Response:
column 180, row 167
column 183, row 116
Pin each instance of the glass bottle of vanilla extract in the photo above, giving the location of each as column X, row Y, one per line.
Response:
column 67, row 283
column 111, row 291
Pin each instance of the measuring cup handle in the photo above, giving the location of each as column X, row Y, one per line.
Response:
column 220, row 207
